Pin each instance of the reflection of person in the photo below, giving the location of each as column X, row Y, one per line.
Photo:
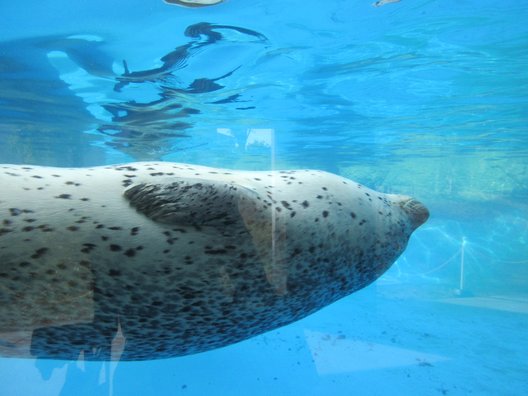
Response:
column 194, row 3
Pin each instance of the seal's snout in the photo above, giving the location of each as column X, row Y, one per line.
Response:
column 418, row 213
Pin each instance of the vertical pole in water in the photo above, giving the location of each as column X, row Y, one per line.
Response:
column 461, row 287
column 271, row 141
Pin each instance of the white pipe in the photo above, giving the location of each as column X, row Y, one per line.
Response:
column 462, row 264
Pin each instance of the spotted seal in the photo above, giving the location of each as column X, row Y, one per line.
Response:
column 178, row 258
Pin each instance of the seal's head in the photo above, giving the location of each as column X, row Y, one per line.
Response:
column 418, row 213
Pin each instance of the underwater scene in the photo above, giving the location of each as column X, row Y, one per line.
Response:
column 234, row 197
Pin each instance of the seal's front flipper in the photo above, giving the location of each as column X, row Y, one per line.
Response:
column 191, row 202
column 236, row 210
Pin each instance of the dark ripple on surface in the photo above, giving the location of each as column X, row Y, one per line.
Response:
column 139, row 112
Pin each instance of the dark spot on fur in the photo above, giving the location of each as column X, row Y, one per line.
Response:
column 85, row 199
column 115, row 228
column 128, row 168
column 4, row 231
column 72, row 228
column 353, row 215
column 305, row 204
column 325, row 213
column 134, row 230
column 63, row 196
column 28, row 228
column 296, row 251
column 215, row 251
column 84, row 263
column 88, row 247
column 39, row 253
column 14, row 211
column 130, row 253
column 115, row 248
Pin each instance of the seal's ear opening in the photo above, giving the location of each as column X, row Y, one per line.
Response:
column 194, row 3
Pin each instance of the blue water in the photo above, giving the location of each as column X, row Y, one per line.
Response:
column 425, row 98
